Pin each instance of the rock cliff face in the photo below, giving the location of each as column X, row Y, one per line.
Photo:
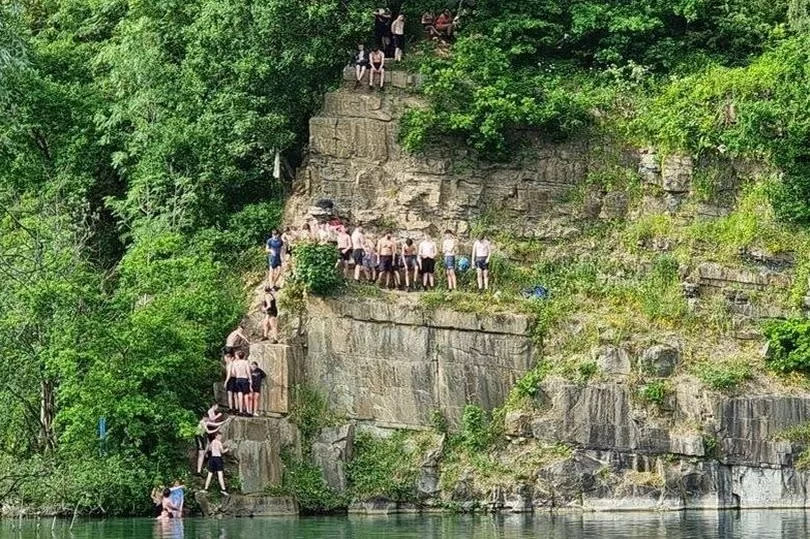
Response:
column 394, row 364
column 355, row 161
column 386, row 362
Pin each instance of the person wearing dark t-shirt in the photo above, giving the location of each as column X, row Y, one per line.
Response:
column 382, row 28
column 270, row 310
column 257, row 376
column 275, row 250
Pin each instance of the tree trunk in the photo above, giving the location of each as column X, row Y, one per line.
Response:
column 46, row 412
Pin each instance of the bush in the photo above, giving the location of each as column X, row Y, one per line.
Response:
column 315, row 268
column 789, row 346
column 723, row 375
column 385, row 467
column 654, row 392
column 475, row 433
column 305, row 482
column 309, row 412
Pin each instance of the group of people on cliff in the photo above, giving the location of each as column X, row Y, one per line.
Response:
column 389, row 41
column 387, row 259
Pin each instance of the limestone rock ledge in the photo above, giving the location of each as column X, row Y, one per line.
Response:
column 394, row 364
column 238, row 505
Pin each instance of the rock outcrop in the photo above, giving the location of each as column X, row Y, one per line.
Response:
column 355, row 161
column 394, row 364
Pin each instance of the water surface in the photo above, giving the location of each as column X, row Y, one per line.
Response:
column 681, row 525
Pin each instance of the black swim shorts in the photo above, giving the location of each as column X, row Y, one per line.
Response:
column 215, row 464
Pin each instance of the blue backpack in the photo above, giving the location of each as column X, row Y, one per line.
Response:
column 535, row 292
column 463, row 263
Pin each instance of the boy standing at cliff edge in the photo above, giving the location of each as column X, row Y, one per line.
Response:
column 481, row 252
column 449, row 246
column 215, row 464
column 427, row 261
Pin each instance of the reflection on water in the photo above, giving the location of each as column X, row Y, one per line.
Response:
column 684, row 525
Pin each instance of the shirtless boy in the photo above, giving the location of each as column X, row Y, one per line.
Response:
column 215, row 464
column 240, row 370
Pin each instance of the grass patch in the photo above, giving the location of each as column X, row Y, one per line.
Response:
column 654, row 392
column 723, row 375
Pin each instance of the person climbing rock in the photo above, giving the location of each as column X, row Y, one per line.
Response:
column 205, row 430
column 237, row 339
column 270, row 310
column 449, row 247
column 481, row 251
column 275, row 254
column 216, row 464
column 257, row 376
column 427, row 261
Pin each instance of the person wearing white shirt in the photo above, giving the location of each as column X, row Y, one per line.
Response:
column 398, row 32
column 481, row 252
column 449, row 246
column 426, row 256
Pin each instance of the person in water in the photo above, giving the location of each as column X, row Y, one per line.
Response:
column 177, row 497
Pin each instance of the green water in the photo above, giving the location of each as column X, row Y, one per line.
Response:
column 733, row 524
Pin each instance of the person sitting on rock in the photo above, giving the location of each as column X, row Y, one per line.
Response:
column 257, row 376
column 344, row 245
column 481, row 252
column 449, row 246
column 398, row 34
column 270, row 310
column 444, row 24
column 377, row 59
column 361, row 64
column 216, row 465
column 428, row 21
column 426, row 256
column 411, row 265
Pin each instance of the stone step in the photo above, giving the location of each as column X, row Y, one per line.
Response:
column 237, row 505
column 394, row 77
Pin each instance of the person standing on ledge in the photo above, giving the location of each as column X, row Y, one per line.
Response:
column 427, row 261
column 409, row 259
column 449, row 247
column 358, row 250
column 386, row 248
column 481, row 252
column 215, row 464
column 240, row 370
column 274, row 248
column 344, row 245
column 377, row 67
column 257, row 376
column 398, row 33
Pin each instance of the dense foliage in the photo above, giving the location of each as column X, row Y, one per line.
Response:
column 556, row 65
column 137, row 144
column 789, row 346
column 315, row 268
